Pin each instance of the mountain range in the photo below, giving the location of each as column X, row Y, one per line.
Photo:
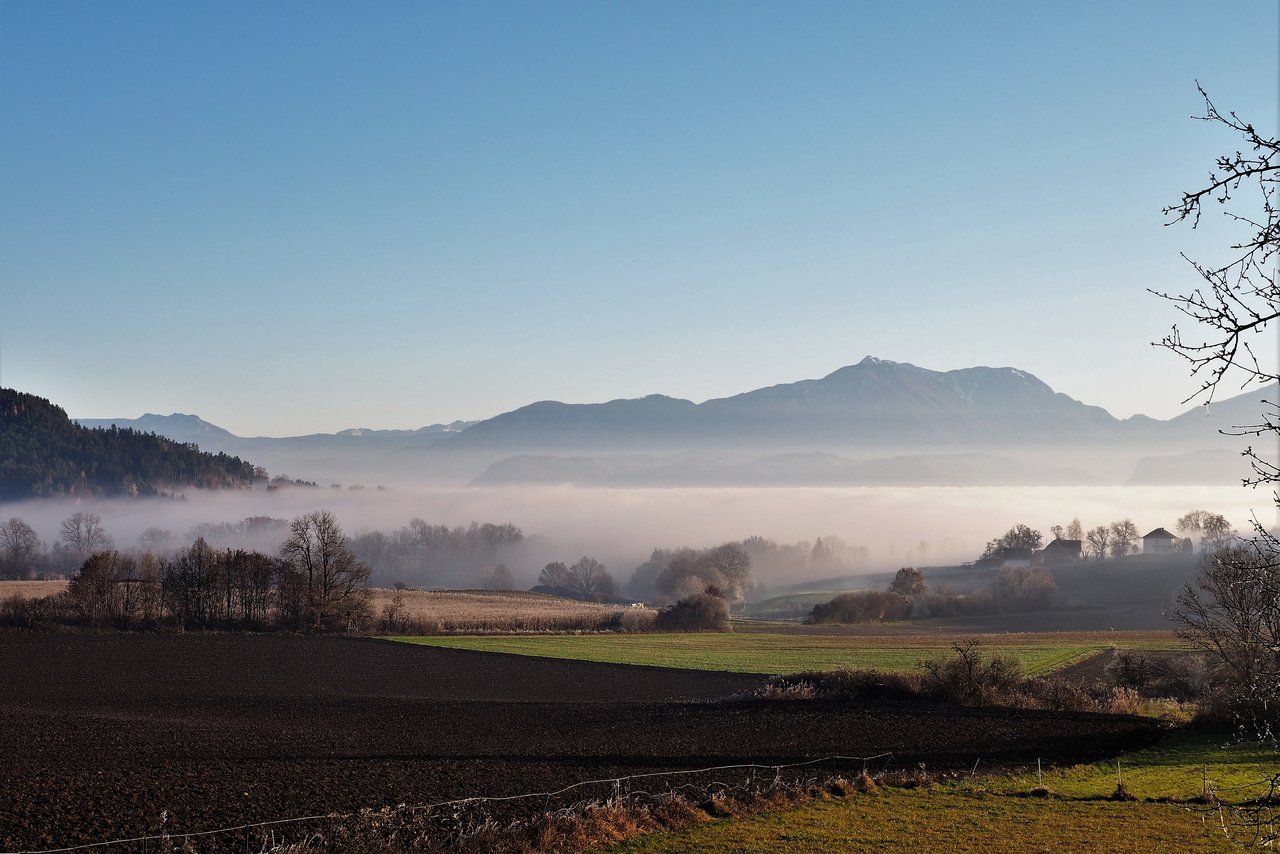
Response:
column 870, row 423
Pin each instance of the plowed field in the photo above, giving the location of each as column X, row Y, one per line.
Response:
column 102, row 734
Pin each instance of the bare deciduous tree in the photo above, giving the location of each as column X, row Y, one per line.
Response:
column 1018, row 537
column 554, row 574
column 19, row 545
column 1232, row 607
column 105, row 590
column 336, row 584
column 83, row 533
column 18, row 539
column 1098, row 540
column 1124, row 538
column 497, row 578
column 155, row 539
column 589, row 579
column 1230, row 614
column 734, row 564
column 1214, row 529
column 1239, row 296
column 909, row 582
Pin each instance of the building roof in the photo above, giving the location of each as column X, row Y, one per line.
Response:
column 1061, row 545
column 1162, row 534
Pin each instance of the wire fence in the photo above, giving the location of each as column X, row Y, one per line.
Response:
column 615, row 782
column 467, row 815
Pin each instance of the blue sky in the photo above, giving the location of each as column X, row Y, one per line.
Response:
column 298, row 217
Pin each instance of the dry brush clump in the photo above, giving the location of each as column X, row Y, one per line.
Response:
column 587, row 825
column 972, row 677
column 842, row 685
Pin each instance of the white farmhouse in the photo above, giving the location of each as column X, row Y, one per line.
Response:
column 1160, row 542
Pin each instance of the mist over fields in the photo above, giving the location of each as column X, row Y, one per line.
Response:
column 897, row 526
column 889, row 464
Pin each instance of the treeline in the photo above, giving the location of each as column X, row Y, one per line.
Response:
column 438, row 555
column 44, row 453
column 314, row 583
column 1016, row 588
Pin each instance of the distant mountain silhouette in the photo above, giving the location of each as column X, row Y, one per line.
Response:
column 179, row 427
column 874, row 403
column 873, row 422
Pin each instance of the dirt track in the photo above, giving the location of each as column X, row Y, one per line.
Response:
column 100, row 734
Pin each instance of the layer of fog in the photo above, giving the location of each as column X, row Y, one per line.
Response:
column 920, row 526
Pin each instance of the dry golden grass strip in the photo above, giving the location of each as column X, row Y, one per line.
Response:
column 31, row 589
column 476, row 611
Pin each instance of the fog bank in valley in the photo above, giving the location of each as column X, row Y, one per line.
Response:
column 896, row 526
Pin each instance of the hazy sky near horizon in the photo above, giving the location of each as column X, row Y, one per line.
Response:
column 296, row 217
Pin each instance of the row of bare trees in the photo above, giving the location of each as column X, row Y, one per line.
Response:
column 314, row 583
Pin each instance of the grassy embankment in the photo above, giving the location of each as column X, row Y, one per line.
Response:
column 781, row 653
column 993, row 813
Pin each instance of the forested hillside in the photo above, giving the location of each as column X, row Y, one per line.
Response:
column 42, row 452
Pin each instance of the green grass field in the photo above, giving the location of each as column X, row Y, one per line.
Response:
column 780, row 653
column 992, row 813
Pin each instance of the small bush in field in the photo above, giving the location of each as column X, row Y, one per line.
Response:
column 971, row 676
column 1062, row 696
column 701, row 612
column 1131, row 669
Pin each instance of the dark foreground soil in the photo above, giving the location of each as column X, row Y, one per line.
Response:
column 102, row 735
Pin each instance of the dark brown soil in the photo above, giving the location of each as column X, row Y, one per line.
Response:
column 101, row 735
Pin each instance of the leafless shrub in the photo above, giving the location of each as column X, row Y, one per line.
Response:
column 971, row 676
column 1060, row 695
column 840, row 685
column 15, row 611
column 27, row 612
column 1131, row 669
column 788, row 691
